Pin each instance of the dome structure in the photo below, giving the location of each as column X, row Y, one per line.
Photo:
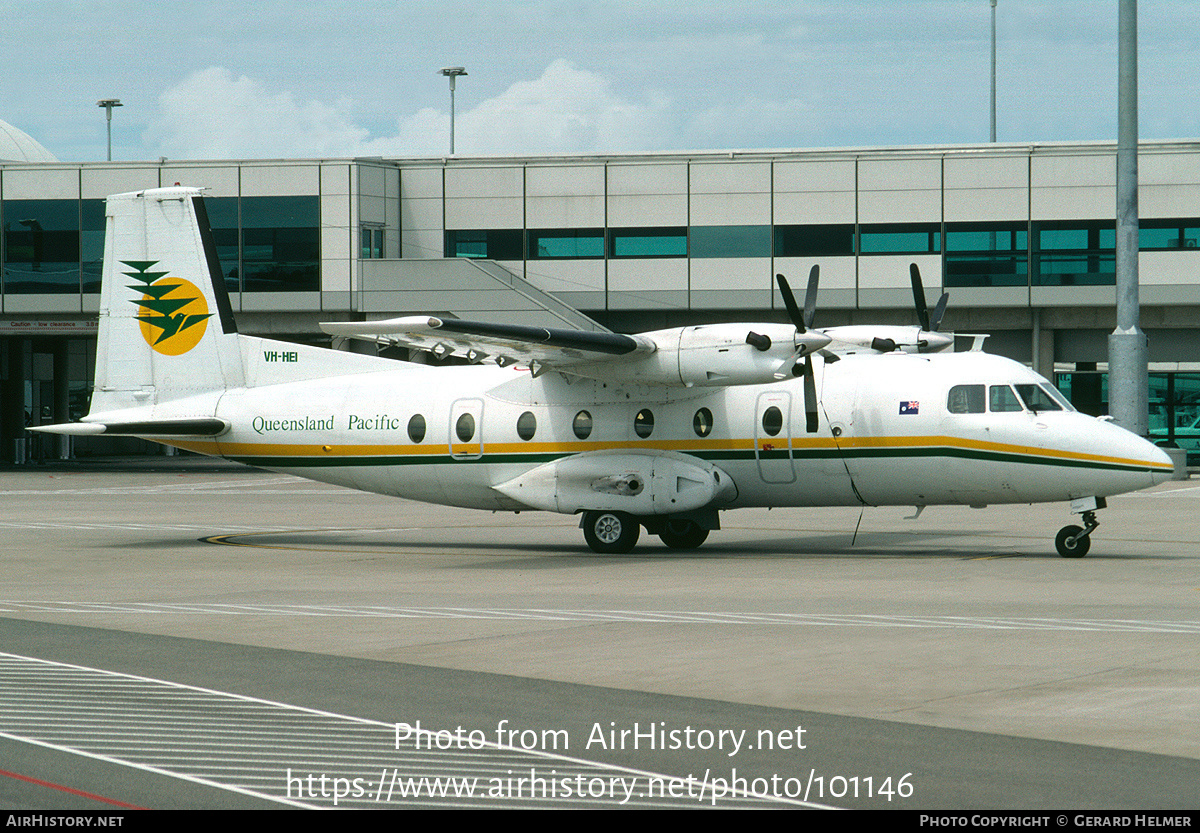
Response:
column 18, row 146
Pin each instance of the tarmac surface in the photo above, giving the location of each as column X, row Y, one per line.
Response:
column 176, row 633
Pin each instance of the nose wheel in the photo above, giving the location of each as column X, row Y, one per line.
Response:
column 1074, row 541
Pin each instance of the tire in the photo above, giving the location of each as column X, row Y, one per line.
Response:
column 610, row 532
column 683, row 535
column 1068, row 549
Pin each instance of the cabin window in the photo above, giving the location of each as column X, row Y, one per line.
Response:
column 465, row 428
column 1001, row 398
column 582, row 425
column 966, row 399
column 772, row 421
column 416, row 428
column 526, row 426
column 702, row 422
column 643, row 423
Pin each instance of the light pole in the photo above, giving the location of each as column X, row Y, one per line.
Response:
column 108, row 104
column 452, row 73
column 1128, row 349
column 993, row 70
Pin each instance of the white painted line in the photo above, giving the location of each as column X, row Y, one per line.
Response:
column 267, row 749
column 664, row 617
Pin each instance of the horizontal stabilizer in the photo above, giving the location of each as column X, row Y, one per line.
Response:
column 202, row 427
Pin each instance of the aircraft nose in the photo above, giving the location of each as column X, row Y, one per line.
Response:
column 1144, row 463
column 1163, row 467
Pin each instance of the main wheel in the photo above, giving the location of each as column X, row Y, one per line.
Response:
column 683, row 535
column 1069, row 548
column 610, row 531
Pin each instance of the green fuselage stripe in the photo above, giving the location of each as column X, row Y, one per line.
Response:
column 798, row 455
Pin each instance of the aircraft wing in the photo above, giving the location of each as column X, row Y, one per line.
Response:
column 540, row 347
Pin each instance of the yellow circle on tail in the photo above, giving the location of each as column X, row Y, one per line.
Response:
column 182, row 329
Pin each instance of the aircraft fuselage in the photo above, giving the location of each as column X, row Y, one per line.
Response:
column 886, row 434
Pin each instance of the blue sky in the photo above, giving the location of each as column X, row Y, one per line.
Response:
column 222, row 79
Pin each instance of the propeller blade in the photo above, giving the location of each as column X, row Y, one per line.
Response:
column 810, row 397
column 938, row 311
column 810, row 297
column 789, row 301
column 918, row 289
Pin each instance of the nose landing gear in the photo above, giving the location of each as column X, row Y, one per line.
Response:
column 1074, row 541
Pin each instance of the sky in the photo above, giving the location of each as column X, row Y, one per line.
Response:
column 269, row 79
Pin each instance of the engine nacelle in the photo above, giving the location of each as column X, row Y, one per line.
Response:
column 715, row 355
column 870, row 338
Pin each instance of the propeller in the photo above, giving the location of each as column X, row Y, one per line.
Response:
column 803, row 321
column 929, row 324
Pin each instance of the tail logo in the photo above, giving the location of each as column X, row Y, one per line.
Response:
column 174, row 314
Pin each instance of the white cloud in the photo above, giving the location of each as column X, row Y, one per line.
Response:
column 212, row 114
column 565, row 110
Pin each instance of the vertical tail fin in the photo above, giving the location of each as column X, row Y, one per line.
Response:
column 166, row 323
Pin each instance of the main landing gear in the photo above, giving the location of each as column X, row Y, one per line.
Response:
column 617, row 532
column 610, row 532
column 1074, row 541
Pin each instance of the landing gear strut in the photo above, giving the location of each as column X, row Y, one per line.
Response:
column 1073, row 541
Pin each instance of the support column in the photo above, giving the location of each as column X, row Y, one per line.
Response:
column 62, row 394
column 1043, row 348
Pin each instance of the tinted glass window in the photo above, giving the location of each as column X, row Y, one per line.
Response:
column 1001, row 398
column 223, row 218
column 772, row 421
column 281, row 244
column 806, row 241
column 1074, row 252
column 643, row 423
column 496, row 244
column 1037, row 399
column 987, row 254
column 41, row 246
column 900, row 238
column 1058, row 397
column 702, row 423
column 582, row 425
column 465, row 427
column 730, row 241
column 566, row 243
column 526, row 426
column 966, row 399
column 91, row 242
column 416, row 428
column 648, row 242
column 1168, row 234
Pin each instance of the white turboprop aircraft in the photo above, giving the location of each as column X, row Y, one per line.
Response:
column 658, row 430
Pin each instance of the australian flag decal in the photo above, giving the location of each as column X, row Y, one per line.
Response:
column 912, row 407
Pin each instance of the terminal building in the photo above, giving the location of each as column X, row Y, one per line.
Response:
column 1022, row 236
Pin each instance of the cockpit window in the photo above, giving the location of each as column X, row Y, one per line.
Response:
column 1036, row 399
column 1057, row 396
column 966, row 399
column 1001, row 399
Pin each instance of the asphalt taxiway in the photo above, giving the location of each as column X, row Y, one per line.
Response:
column 213, row 637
